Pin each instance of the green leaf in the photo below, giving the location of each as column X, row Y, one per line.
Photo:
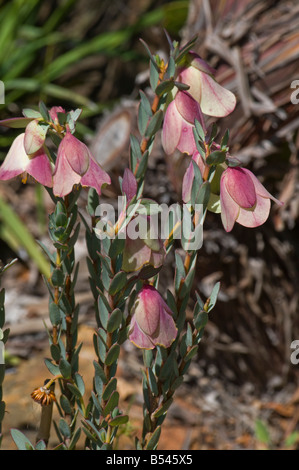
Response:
column 110, row 388
column 135, row 152
column 55, row 352
column 65, row 368
column 74, row 389
column 152, row 382
column 224, row 140
column 112, row 354
column 57, row 278
column 114, row 320
column 215, row 158
column 65, row 405
column 291, row 440
column 191, row 353
column 31, row 113
column 180, row 272
column 154, row 75
column 262, row 432
column 103, row 311
column 203, row 195
column 142, row 165
column 21, row 441
column 154, row 440
column 199, row 130
column 143, row 119
column 117, row 247
column 54, row 313
column 201, row 320
column 152, row 59
column 213, row 296
column 112, row 403
column 15, row 123
column 119, row 420
column 154, row 124
column 118, row 283
column 148, row 271
column 40, row 445
column 44, row 111
column 80, row 383
column 165, row 87
column 53, row 368
column 163, row 408
column 64, row 428
column 75, row 439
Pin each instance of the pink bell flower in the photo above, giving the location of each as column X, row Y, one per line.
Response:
column 152, row 323
column 18, row 162
column 139, row 252
column 76, row 165
column 179, row 123
column 243, row 199
column 214, row 99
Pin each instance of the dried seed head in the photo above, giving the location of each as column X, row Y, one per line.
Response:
column 44, row 396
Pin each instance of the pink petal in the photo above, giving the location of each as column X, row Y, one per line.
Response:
column 95, row 177
column 187, row 183
column 260, row 189
column 229, row 208
column 256, row 217
column 240, row 187
column 53, row 113
column 140, row 339
column 215, row 100
column 171, row 129
column 191, row 77
column 16, row 160
column 186, row 142
column 40, row 169
column 129, row 184
column 157, row 257
column 136, row 254
column 200, row 64
column 64, row 177
column 147, row 311
column 198, row 159
column 167, row 329
column 75, row 152
column 188, row 107
column 35, row 136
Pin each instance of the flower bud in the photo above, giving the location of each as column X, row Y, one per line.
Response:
column 152, row 322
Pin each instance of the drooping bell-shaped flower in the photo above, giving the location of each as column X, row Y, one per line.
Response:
column 145, row 250
column 152, row 322
column 214, row 99
column 76, row 165
column 179, row 123
column 243, row 199
column 18, row 162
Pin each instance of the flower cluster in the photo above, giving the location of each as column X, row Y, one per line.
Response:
column 242, row 198
column 28, row 154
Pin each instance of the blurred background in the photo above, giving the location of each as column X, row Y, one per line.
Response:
column 243, row 390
